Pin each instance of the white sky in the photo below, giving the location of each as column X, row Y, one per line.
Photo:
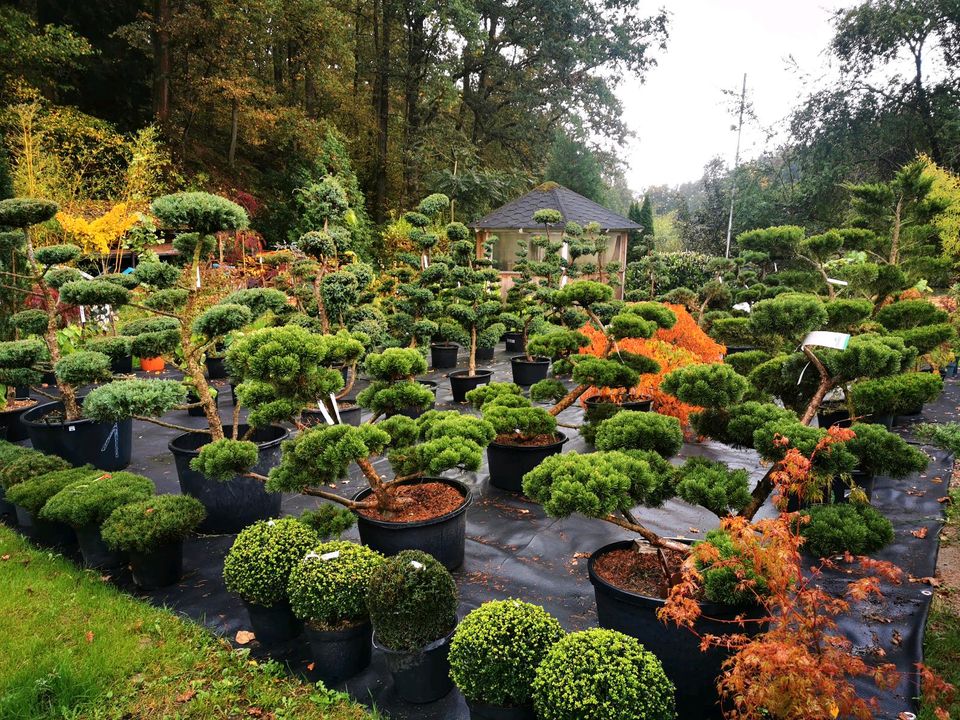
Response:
column 680, row 115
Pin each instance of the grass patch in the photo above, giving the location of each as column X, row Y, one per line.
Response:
column 941, row 651
column 72, row 646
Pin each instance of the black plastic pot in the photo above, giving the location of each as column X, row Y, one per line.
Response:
column 911, row 413
column 598, row 409
column 240, row 501
column 106, row 446
column 509, row 463
column 734, row 349
column 864, row 481
column 415, row 412
column 691, row 670
column 483, row 711
column 421, row 676
column 828, row 417
column 158, row 568
column 443, row 355
column 192, row 398
column 274, row 624
column 348, row 416
column 122, row 365
column 56, row 536
column 96, row 554
column 22, row 392
column 443, row 537
column 484, row 354
column 10, row 423
column 8, row 514
column 24, row 519
column 513, row 342
column 216, row 368
column 462, row 382
column 339, row 654
column 527, row 372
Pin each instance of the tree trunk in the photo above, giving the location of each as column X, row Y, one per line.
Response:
column 382, row 111
column 473, row 351
column 895, row 233
column 569, row 399
column 234, row 127
column 161, row 60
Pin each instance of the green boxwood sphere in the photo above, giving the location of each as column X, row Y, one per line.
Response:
column 259, row 562
column 328, row 587
column 497, row 648
column 602, row 675
column 412, row 601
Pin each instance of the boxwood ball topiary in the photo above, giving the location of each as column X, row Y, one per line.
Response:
column 496, row 649
column 412, row 600
column 154, row 523
column 845, row 527
column 33, row 494
column 57, row 254
column 82, row 367
column 258, row 565
column 88, row 502
column 328, row 586
column 632, row 430
column 24, row 212
column 602, row 675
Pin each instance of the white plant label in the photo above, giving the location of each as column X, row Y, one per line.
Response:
column 311, row 556
column 822, row 338
column 83, row 316
column 416, row 565
column 330, row 555
column 336, row 407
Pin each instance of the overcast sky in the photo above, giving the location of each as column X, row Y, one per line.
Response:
column 680, row 115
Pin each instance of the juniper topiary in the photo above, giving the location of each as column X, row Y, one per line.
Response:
column 839, row 528
column 153, row 523
column 34, row 493
column 632, row 430
column 88, row 502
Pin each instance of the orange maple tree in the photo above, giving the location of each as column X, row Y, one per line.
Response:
column 683, row 344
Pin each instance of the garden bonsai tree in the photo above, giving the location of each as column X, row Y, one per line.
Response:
column 412, row 600
column 602, row 675
column 393, row 384
column 512, row 416
column 609, row 368
column 497, row 648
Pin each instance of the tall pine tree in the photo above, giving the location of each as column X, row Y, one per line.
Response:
column 641, row 241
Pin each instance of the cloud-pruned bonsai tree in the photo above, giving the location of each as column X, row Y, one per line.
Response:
column 432, row 444
column 393, row 385
column 610, row 368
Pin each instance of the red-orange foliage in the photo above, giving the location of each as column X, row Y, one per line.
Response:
column 683, row 344
column 802, row 666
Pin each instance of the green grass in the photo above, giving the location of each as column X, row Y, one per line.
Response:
column 941, row 650
column 72, row 646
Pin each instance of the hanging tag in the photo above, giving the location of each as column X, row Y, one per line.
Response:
column 330, row 555
column 83, row 316
column 271, row 523
column 336, row 407
column 198, row 277
column 326, row 413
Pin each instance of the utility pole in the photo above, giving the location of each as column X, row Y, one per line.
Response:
column 736, row 163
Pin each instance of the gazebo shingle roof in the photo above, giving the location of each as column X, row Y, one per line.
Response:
column 573, row 206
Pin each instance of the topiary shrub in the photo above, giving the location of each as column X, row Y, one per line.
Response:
column 258, row 564
column 116, row 348
column 90, row 501
column 132, row 398
column 412, row 600
column 844, row 315
column 602, row 675
column 515, row 421
column 497, row 648
column 706, row 385
column 28, row 465
column 844, row 527
column 328, row 586
column 82, row 367
column 57, row 254
column 30, row 322
column 153, row 523
column 907, row 314
column 713, row 485
column 632, row 430
column 881, row 452
column 24, row 212
column 34, row 493
column 729, row 578
column 894, row 395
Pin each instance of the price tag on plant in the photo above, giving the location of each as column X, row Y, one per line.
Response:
column 330, row 555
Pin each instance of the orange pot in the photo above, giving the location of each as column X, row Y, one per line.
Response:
column 154, row 364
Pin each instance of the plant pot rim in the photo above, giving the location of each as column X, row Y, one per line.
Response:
column 537, row 360
column 360, row 627
column 433, row 645
column 462, row 508
column 597, row 400
column 40, row 410
column 561, row 439
column 23, row 409
column 459, row 374
column 429, row 383
column 708, row 609
column 173, row 446
column 444, row 345
column 483, row 704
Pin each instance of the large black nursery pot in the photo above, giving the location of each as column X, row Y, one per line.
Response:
column 348, row 416
column 216, row 368
column 421, row 676
column 415, row 412
column 692, row 671
column 240, row 501
column 122, row 365
column 527, row 372
column 509, row 463
column 443, row 355
column 443, row 537
column 513, row 342
column 484, row 354
column 96, row 554
column 8, row 514
column 273, row 624
column 159, row 567
column 340, row 654
column 11, row 425
column 829, row 416
column 483, row 711
column 56, row 536
column 106, row 446
column 462, row 382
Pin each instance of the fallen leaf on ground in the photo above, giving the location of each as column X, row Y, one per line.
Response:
column 921, row 533
column 244, row 636
column 4, row 557
column 186, row 696
column 945, row 499
column 931, row 581
column 311, row 666
column 89, row 636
